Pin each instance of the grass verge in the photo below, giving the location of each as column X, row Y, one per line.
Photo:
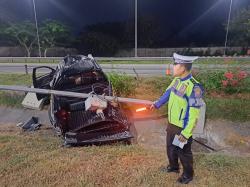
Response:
column 13, row 99
column 36, row 159
column 235, row 109
column 232, row 107
column 15, row 79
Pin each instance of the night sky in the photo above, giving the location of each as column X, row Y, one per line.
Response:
column 198, row 21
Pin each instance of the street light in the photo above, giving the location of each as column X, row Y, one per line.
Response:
column 37, row 32
column 136, row 28
column 228, row 21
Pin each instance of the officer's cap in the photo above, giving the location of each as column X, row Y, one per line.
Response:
column 180, row 59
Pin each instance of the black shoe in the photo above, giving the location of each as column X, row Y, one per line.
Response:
column 169, row 169
column 184, row 180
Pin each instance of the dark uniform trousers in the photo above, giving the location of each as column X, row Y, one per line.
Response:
column 185, row 155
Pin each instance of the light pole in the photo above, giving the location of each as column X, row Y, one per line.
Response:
column 228, row 21
column 37, row 32
column 136, row 28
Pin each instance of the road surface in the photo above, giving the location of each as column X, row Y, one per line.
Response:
column 129, row 69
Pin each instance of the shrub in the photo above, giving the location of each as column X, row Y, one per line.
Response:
column 160, row 84
column 210, row 81
column 123, row 85
column 233, row 82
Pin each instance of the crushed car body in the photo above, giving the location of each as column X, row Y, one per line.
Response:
column 81, row 121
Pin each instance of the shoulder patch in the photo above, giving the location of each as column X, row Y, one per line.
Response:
column 195, row 99
column 197, row 92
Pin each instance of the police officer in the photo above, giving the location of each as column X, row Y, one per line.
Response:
column 184, row 97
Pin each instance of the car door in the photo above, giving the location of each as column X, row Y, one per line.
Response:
column 42, row 76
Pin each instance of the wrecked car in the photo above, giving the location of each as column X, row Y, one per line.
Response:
column 83, row 121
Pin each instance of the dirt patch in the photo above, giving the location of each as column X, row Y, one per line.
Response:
column 224, row 136
column 232, row 137
column 9, row 115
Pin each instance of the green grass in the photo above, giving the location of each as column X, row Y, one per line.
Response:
column 13, row 99
column 36, row 159
column 236, row 109
column 15, row 79
column 199, row 61
column 223, row 61
column 231, row 109
column 216, row 162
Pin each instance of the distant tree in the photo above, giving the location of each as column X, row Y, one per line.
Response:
column 4, row 39
column 24, row 33
column 100, row 44
column 102, row 39
column 52, row 33
column 108, row 38
column 240, row 28
column 148, row 32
